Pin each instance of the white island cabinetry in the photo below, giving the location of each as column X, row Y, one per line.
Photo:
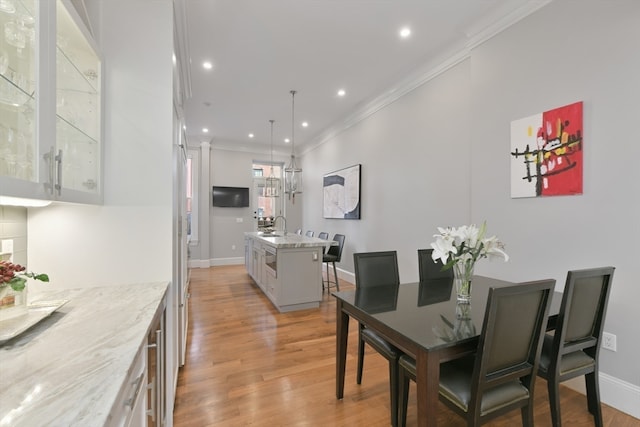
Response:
column 288, row 268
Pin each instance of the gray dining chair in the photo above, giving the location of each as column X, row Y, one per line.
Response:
column 309, row 233
column 430, row 269
column 500, row 376
column 572, row 351
column 378, row 269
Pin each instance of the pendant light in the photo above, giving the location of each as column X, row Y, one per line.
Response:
column 272, row 184
column 292, row 173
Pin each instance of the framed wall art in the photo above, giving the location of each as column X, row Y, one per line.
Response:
column 341, row 193
column 546, row 153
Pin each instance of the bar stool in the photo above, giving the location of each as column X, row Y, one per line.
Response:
column 333, row 255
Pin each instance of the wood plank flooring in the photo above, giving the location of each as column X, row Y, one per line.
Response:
column 248, row 365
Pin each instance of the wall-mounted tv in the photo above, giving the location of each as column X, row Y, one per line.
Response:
column 230, row 197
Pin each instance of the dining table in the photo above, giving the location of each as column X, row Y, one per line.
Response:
column 423, row 320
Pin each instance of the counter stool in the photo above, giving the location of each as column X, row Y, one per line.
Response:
column 333, row 255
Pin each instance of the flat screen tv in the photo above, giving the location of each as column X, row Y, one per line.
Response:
column 230, row 197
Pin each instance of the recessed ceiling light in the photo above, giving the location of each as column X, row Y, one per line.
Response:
column 207, row 65
column 405, row 32
column 305, row 124
column 287, row 140
column 341, row 92
column 205, row 130
column 251, row 135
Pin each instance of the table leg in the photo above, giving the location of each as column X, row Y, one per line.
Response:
column 342, row 334
column 428, row 384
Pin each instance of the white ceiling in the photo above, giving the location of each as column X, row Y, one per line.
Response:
column 261, row 49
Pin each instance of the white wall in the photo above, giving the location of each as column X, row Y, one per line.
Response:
column 567, row 52
column 415, row 160
column 126, row 239
column 440, row 156
column 234, row 168
column 129, row 239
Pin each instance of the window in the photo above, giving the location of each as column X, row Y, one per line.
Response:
column 191, row 192
column 266, row 207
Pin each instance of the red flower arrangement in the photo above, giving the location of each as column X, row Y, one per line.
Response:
column 14, row 275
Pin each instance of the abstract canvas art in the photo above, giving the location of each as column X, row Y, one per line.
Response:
column 341, row 193
column 546, row 153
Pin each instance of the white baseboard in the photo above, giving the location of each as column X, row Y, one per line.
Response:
column 199, row 263
column 227, row 261
column 614, row 392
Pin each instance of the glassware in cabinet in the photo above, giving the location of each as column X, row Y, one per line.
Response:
column 78, row 91
column 18, row 151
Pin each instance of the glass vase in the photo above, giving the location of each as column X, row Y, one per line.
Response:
column 462, row 276
column 12, row 303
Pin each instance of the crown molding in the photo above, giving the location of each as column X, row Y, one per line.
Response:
column 475, row 37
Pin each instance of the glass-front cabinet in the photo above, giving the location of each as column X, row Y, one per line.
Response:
column 50, row 103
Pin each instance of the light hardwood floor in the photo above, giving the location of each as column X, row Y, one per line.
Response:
column 247, row 364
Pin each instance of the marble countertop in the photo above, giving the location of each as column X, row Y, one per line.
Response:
column 68, row 369
column 290, row 240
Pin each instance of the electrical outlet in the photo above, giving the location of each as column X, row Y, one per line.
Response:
column 609, row 341
column 6, row 246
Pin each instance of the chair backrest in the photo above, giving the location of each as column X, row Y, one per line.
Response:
column 582, row 311
column 376, row 268
column 337, row 250
column 511, row 340
column 323, row 235
column 430, row 269
column 309, row 233
column 299, row 231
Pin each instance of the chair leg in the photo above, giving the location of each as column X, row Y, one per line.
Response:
column 335, row 275
column 393, row 391
column 527, row 414
column 360, row 356
column 323, row 281
column 554, row 402
column 403, row 397
column 593, row 397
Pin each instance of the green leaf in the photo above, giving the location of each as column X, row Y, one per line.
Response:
column 17, row 283
column 41, row 277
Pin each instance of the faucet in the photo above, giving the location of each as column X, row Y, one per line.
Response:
column 284, row 221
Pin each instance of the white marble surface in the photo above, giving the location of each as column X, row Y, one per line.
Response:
column 68, row 369
column 290, row 240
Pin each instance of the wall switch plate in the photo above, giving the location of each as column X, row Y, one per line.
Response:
column 609, row 341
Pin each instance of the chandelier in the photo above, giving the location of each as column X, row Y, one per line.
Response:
column 272, row 184
column 292, row 173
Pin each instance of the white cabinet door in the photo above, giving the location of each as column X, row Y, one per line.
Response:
column 50, row 104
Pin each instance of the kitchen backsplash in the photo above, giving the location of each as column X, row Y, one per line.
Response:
column 13, row 226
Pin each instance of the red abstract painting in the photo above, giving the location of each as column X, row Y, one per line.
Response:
column 546, row 152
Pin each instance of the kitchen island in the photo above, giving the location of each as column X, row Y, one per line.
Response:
column 86, row 363
column 287, row 268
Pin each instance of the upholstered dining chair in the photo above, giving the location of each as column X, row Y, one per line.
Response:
column 572, row 351
column 323, row 235
column 500, row 377
column 333, row 255
column 309, row 233
column 378, row 269
column 299, row 231
column 430, row 269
